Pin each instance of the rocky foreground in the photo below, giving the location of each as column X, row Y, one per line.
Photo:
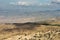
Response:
column 29, row 31
column 50, row 35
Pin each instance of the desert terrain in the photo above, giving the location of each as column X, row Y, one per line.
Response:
column 44, row 30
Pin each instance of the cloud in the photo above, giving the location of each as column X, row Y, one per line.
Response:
column 30, row 2
column 45, row 4
column 37, row 3
column 23, row 3
column 12, row 3
column 56, row 0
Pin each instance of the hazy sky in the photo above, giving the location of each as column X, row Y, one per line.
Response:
column 6, row 4
column 38, row 2
column 28, row 8
column 29, row 4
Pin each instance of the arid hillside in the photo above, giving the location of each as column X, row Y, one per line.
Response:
column 44, row 30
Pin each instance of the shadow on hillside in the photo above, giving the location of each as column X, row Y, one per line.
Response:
column 28, row 25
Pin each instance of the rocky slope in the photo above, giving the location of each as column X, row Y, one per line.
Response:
column 30, row 31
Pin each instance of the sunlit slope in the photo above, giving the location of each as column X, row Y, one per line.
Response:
column 8, row 30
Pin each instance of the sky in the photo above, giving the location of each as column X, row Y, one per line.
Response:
column 28, row 2
column 14, row 10
column 8, row 3
column 33, row 4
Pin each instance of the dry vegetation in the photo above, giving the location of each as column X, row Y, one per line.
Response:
column 30, row 31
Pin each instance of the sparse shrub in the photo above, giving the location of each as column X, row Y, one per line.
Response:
column 39, row 39
column 32, row 39
column 40, row 35
column 47, row 35
column 19, row 38
column 44, row 23
column 25, row 38
column 25, row 34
